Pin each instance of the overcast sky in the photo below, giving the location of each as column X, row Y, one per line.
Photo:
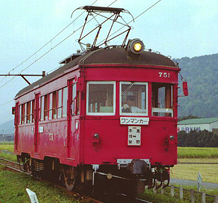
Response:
column 177, row 28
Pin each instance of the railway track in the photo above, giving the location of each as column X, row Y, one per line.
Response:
column 136, row 200
column 14, row 166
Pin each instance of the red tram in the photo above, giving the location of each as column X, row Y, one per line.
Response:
column 109, row 112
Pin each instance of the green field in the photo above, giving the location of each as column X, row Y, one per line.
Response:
column 190, row 171
column 6, row 151
column 7, row 146
column 197, row 152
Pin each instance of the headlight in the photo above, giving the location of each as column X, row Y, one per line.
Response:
column 136, row 46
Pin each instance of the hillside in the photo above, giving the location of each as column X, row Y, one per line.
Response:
column 7, row 127
column 202, row 76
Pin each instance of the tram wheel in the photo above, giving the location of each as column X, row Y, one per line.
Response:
column 69, row 182
column 26, row 167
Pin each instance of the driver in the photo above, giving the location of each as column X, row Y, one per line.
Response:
column 129, row 106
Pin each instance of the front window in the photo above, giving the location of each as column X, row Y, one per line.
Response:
column 100, row 98
column 133, row 98
column 162, row 99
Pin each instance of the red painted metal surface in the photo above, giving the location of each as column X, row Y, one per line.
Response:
column 16, row 123
column 71, row 139
column 36, row 126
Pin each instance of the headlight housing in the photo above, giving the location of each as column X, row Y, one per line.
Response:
column 135, row 46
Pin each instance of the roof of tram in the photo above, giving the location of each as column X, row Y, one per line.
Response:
column 116, row 56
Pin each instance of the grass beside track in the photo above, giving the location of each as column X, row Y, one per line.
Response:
column 159, row 198
column 13, row 189
column 188, row 171
column 166, row 198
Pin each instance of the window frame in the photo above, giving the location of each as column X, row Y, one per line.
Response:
column 74, row 99
column 32, row 115
column 64, row 101
column 28, row 112
column 23, row 113
column 50, row 106
column 120, row 102
column 114, row 98
column 42, row 100
column 165, row 110
column 59, row 103
column 20, row 113
column 46, row 107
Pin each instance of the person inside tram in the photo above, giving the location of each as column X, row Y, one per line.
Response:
column 129, row 105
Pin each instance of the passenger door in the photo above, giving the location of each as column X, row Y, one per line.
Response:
column 16, row 122
column 72, row 126
column 36, row 124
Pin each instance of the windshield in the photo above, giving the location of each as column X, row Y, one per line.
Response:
column 133, row 98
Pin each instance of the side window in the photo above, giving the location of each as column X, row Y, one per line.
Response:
column 65, row 95
column 42, row 107
column 133, row 98
column 60, row 103
column 46, row 107
column 73, row 105
column 162, row 99
column 23, row 112
column 28, row 112
column 20, row 109
column 50, row 106
column 54, row 105
column 33, row 111
column 78, row 103
column 100, row 98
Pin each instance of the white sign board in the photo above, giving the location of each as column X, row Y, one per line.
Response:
column 134, row 121
column 134, row 135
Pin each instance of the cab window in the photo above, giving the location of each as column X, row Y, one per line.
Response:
column 100, row 98
column 133, row 98
column 162, row 100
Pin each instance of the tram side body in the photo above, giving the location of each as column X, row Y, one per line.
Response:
column 86, row 142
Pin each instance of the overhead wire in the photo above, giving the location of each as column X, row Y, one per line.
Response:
column 52, row 48
column 68, row 37
column 133, row 19
column 6, row 102
column 50, row 41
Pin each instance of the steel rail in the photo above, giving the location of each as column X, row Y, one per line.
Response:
column 137, row 199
